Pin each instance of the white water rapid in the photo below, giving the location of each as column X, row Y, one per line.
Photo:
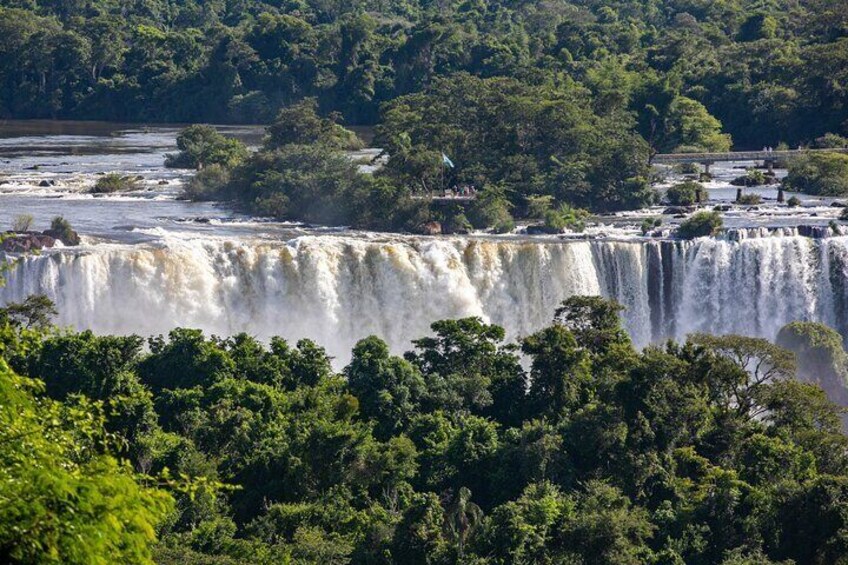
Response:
column 338, row 289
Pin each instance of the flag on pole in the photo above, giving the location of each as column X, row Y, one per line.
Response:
column 446, row 160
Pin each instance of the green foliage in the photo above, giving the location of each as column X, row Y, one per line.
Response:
column 566, row 217
column 765, row 71
column 22, row 222
column 317, row 184
column 690, row 128
column 700, row 224
column 750, row 199
column 831, row 141
column 114, row 182
column 820, row 355
column 595, row 452
column 63, row 499
column 752, row 177
column 824, row 174
column 61, row 229
column 201, row 146
column 491, row 208
column 650, row 223
column 684, row 193
column 526, row 139
column 793, row 202
column 300, row 124
column 209, row 183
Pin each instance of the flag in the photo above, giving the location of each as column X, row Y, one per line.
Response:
column 446, row 160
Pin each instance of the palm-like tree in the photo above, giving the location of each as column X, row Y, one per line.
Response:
column 462, row 518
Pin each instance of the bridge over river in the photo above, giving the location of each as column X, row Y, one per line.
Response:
column 769, row 158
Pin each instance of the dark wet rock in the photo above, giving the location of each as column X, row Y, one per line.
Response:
column 540, row 229
column 838, row 205
column 162, row 182
column 672, row 210
column 46, row 183
column 815, row 232
column 68, row 237
column 723, row 208
column 25, row 242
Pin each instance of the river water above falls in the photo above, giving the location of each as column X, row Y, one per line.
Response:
column 150, row 262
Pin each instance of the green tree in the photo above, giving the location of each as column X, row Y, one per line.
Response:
column 63, row 499
column 201, row 146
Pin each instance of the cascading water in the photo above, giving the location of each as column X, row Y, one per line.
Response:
column 336, row 290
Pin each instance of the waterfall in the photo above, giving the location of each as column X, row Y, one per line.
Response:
column 338, row 289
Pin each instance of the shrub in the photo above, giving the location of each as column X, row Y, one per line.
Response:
column 201, row 146
column 538, row 206
column 687, row 168
column 566, row 217
column 699, row 225
column 823, row 174
column 750, row 199
column 22, row 222
column 831, row 141
column 61, row 229
column 650, row 223
column 208, row 184
column 113, row 182
column 300, row 124
column 684, row 193
column 793, row 202
column 752, row 177
column 457, row 223
column 491, row 209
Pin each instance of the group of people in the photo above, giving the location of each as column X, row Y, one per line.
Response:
column 768, row 150
column 463, row 190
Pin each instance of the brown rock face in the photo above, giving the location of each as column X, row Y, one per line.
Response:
column 430, row 228
column 13, row 242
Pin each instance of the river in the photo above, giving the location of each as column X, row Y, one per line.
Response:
column 150, row 262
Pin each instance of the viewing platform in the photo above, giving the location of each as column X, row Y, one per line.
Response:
column 706, row 159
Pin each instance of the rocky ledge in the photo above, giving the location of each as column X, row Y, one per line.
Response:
column 28, row 241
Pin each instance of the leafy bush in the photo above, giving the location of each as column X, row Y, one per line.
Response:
column 114, row 182
column 300, row 124
column 566, row 217
column 822, row 174
column 752, row 177
column 831, row 141
column 22, row 222
column 684, row 193
column 650, row 223
column 491, row 209
column 61, row 229
column 700, row 224
column 202, row 145
column 687, row 168
column 750, row 199
column 209, row 183
column 457, row 223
